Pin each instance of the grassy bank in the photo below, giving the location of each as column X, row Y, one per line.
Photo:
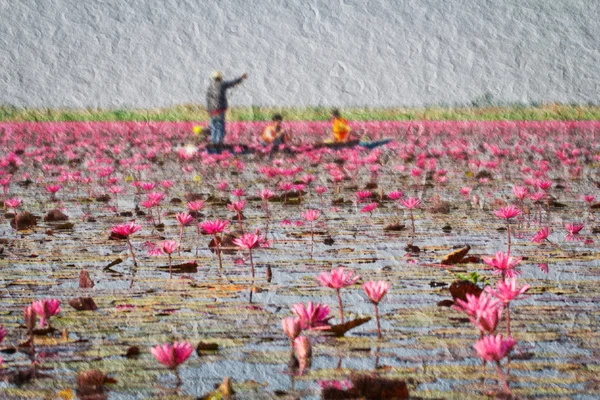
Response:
column 191, row 112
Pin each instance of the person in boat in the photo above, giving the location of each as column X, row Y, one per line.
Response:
column 216, row 105
column 274, row 135
column 340, row 129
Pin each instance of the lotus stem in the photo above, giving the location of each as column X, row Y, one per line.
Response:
column 218, row 250
column 377, row 321
column 502, row 378
column 131, row 251
column 340, row 305
column 180, row 241
column 170, row 268
column 508, row 235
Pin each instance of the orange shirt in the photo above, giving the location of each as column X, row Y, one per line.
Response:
column 269, row 134
column 340, row 130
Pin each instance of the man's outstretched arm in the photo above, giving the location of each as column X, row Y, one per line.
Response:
column 233, row 82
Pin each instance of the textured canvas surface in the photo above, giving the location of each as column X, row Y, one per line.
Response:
column 377, row 53
column 125, row 232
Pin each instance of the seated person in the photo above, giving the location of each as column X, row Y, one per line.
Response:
column 274, row 133
column 340, row 128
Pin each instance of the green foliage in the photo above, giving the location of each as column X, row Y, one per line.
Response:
column 474, row 277
column 483, row 108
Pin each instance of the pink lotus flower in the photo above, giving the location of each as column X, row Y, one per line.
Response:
column 338, row 278
column 476, row 304
column 541, row 235
column 222, row 186
column 45, row 309
column 238, row 192
column 126, row 229
column 395, row 195
column 573, row 230
column 183, row 218
column 484, row 311
column 172, row 355
column 147, row 186
column 237, row 206
column 369, row 208
column 303, row 351
column 544, row 185
column 155, row 197
column 313, row 316
column 13, row 203
column 537, row 196
column 213, row 227
column 285, row 222
column 375, row 290
column 503, row 264
column 148, row 203
column 262, row 241
column 266, row 194
column 487, row 320
column 155, row 251
column 2, row 333
column 196, row 205
column 169, row 246
column 411, row 203
column 543, row 267
column 320, row 190
column 311, row 215
column 507, row 290
column 520, row 192
column 494, row 348
column 286, row 186
column 306, row 179
column 248, row 241
column 5, row 183
column 507, row 212
column 588, row 198
column 166, row 184
column 291, row 326
column 465, row 190
column 115, row 189
column 53, row 188
column 363, row 195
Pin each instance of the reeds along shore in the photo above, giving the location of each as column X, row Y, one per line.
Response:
column 195, row 112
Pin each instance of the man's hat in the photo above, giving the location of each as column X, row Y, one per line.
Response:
column 216, row 75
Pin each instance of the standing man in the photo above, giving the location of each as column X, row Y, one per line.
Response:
column 216, row 104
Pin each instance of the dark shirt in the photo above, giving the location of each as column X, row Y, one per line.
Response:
column 216, row 96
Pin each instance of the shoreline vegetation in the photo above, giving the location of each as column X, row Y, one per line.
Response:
column 194, row 112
